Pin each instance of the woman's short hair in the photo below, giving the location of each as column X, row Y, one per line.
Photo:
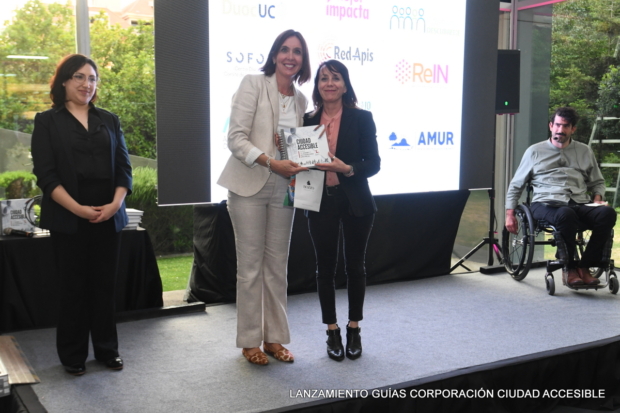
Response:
column 269, row 68
column 349, row 99
column 65, row 70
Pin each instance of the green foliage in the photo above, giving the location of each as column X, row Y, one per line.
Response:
column 171, row 228
column 19, row 184
column 174, row 272
column 585, row 36
column 126, row 66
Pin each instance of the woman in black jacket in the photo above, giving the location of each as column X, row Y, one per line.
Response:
column 82, row 167
column 347, row 206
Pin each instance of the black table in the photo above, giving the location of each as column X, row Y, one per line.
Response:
column 29, row 287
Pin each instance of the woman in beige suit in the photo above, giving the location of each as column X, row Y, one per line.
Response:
column 256, row 180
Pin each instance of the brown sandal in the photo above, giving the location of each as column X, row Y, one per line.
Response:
column 258, row 358
column 283, row 354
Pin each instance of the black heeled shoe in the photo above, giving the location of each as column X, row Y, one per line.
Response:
column 354, row 343
column 335, row 350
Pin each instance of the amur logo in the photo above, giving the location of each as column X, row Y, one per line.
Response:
column 399, row 143
column 423, row 73
column 406, row 18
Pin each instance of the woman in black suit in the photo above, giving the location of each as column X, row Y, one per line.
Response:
column 347, row 206
column 82, row 167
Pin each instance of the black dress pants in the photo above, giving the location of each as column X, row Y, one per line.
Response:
column 87, row 264
column 600, row 220
column 325, row 228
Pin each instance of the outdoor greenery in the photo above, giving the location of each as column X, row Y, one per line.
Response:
column 174, row 272
column 170, row 228
column 125, row 58
column 19, row 184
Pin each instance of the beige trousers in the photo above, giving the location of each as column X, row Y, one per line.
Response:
column 262, row 228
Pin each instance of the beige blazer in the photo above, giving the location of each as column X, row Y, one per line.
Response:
column 254, row 120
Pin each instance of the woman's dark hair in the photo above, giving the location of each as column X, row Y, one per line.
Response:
column 65, row 70
column 269, row 68
column 349, row 100
column 567, row 113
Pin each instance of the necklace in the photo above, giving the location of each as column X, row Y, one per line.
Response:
column 284, row 100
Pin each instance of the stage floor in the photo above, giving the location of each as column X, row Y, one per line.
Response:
column 412, row 330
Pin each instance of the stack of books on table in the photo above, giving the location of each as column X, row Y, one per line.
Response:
column 135, row 217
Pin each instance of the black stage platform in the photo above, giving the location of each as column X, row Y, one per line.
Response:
column 455, row 343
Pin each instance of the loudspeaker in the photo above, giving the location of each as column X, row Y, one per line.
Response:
column 507, row 89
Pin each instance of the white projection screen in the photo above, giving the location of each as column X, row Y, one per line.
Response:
column 407, row 61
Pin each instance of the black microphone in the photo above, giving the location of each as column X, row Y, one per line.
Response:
column 19, row 233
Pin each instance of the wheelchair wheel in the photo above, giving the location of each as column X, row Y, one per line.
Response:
column 518, row 249
column 550, row 284
column 582, row 240
column 614, row 285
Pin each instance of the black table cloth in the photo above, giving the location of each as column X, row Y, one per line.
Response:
column 29, row 287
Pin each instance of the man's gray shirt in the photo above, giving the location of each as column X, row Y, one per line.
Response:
column 557, row 175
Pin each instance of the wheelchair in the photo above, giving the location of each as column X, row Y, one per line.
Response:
column 518, row 251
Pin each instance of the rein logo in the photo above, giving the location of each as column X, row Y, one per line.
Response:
column 401, row 19
column 436, row 139
column 418, row 73
column 248, row 10
column 349, row 11
column 249, row 57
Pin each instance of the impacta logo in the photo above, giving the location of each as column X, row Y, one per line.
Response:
column 401, row 19
column 349, row 9
column 248, row 10
column 419, row 73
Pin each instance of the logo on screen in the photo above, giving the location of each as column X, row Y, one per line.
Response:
column 406, row 18
column 399, row 143
column 328, row 50
column 346, row 9
column 248, row 10
column 420, row 73
column 436, row 139
column 245, row 57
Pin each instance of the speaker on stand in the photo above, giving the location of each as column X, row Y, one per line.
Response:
column 506, row 102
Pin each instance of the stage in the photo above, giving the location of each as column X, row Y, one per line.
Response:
column 465, row 342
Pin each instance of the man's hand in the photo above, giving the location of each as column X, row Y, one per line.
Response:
column 511, row 221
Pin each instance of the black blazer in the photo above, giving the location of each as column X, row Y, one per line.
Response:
column 53, row 165
column 357, row 146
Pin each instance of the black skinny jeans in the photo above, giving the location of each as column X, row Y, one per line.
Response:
column 600, row 220
column 325, row 229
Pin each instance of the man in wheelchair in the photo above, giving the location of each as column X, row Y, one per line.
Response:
column 568, row 189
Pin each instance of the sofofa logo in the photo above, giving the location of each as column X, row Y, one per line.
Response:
column 421, row 73
column 248, row 10
column 245, row 57
column 406, row 18
column 346, row 9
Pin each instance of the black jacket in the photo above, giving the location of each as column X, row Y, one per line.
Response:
column 53, row 165
column 357, row 146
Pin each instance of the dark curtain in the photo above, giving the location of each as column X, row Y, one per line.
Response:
column 412, row 238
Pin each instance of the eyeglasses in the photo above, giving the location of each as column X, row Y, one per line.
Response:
column 80, row 78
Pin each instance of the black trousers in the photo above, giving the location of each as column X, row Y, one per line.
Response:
column 600, row 220
column 87, row 264
column 325, row 228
